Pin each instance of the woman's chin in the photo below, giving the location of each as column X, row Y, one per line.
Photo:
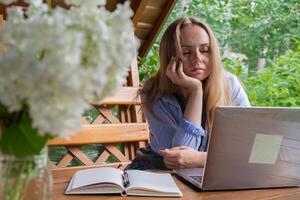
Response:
column 200, row 77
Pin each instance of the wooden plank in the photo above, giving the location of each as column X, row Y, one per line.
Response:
column 136, row 114
column 52, row 165
column 132, row 150
column 142, row 144
column 156, row 3
column 155, row 31
column 1, row 20
column 105, row 133
column 122, row 114
column 151, row 14
column 102, row 158
column 125, row 95
column 99, row 119
column 133, row 78
column 144, row 25
column 65, row 160
column 116, row 152
column 81, row 156
column 128, row 115
column 142, row 34
column 139, row 11
column 126, row 151
column 107, row 113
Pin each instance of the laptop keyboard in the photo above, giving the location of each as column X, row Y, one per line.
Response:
column 197, row 178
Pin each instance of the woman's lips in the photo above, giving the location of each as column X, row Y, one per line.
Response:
column 197, row 71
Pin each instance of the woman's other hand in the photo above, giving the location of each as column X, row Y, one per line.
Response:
column 178, row 77
column 183, row 157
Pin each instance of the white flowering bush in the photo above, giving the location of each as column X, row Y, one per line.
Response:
column 55, row 61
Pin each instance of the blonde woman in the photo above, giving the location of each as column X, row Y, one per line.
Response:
column 179, row 101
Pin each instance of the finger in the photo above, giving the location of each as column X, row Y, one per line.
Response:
column 180, row 72
column 169, row 153
column 173, row 67
column 170, row 72
column 179, row 148
column 172, row 159
column 163, row 152
column 171, row 63
column 170, row 165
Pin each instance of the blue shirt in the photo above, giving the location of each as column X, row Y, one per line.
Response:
column 169, row 128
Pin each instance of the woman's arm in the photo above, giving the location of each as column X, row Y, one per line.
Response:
column 193, row 109
column 168, row 126
column 183, row 157
column 192, row 89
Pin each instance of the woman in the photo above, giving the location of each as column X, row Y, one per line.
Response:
column 179, row 101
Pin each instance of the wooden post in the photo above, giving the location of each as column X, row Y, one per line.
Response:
column 1, row 20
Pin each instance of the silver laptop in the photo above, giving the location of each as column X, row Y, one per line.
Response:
column 251, row 147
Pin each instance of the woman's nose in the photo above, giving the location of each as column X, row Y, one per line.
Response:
column 198, row 57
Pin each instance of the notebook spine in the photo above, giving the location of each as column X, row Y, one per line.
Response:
column 126, row 182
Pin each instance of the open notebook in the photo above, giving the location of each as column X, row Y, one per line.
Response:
column 108, row 180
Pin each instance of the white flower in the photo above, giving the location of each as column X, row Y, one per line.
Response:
column 7, row 1
column 56, row 62
column 27, row 1
column 86, row 2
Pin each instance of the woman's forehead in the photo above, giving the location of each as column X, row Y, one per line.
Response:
column 193, row 35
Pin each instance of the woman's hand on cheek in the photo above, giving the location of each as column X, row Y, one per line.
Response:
column 183, row 157
column 178, row 77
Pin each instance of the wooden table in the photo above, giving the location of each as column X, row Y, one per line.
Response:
column 61, row 178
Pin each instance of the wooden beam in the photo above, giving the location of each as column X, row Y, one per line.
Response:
column 139, row 11
column 105, row 133
column 1, row 20
column 82, row 157
column 102, row 158
column 99, row 119
column 144, row 25
column 65, row 160
column 133, row 79
column 107, row 113
column 163, row 17
column 116, row 152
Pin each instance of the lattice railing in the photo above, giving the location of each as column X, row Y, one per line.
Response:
column 117, row 130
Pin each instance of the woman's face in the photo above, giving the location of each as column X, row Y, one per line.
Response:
column 195, row 51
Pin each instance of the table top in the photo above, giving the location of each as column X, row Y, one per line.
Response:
column 62, row 177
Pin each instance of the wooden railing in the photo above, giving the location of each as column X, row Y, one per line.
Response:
column 127, row 129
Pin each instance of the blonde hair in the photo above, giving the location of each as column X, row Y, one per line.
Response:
column 215, row 86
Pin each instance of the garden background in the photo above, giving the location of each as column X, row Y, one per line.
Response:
column 260, row 43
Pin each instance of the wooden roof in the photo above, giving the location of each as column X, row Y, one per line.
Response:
column 149, row 16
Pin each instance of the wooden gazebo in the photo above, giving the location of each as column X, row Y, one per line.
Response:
column 129, row 127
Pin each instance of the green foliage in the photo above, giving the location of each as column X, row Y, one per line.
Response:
column 150, row 64
column 21, row 139
column 257, row 28
column 236, row 67
column 278, row 84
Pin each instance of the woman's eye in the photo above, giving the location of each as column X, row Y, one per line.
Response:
column 204, row 52
column 186, row 53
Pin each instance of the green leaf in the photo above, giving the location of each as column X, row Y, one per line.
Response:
column 3, row 112
column 22, row 139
